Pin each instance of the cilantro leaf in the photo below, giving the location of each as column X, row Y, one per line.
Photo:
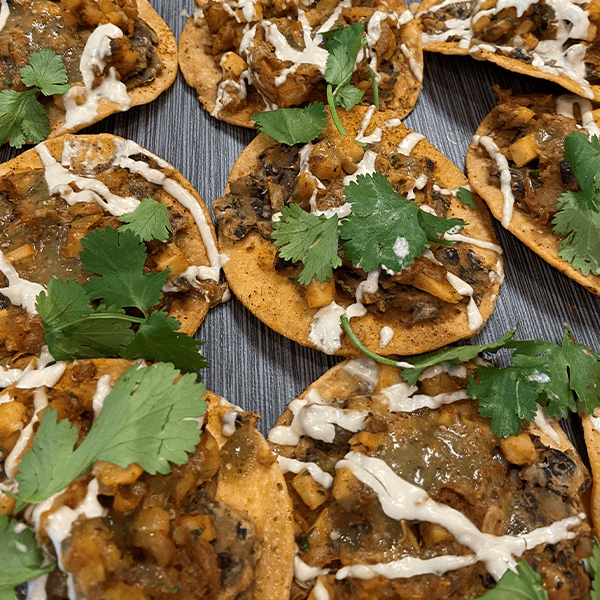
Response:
column 46, row 72
column 524, row 584
column 22, row 116
column 581, row 227
column 21, row 558
column 149, row 221
column 158, row 339
column 309, row 238
column 465, row 196
column 384, row 228
column 147, row 418
column 435, row 227
column 293, row 125
column 343, row 45
column 594, row 568
column 584, row 156
column 348, row 96
column 506, row 396
column 118, row 257
column 51, row 463
column 74, row 329
column 559, row 378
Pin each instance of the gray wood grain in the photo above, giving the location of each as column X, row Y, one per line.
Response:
column 261, row 370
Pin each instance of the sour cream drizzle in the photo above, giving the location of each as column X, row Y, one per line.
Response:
column 97, row 48
column 20, row 292
column 59, row 177
column 401, row 499
column 505, row 183
column 4, row 12
column 297, row 466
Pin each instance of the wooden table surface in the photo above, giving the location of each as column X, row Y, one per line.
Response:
column 262, row 371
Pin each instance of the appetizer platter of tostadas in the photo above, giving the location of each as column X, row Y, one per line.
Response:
column 299, row 300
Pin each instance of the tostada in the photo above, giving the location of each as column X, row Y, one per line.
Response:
column 56, row 196
column 366, row 224
column 142, row 495
column 534, row 164
column 557, row 40
column 112, row 55
column 245, row 57
column 402, row 490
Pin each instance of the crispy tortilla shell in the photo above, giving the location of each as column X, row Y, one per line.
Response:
column 448, row 452
column 252, row 482
column 537, row 236
column 280, row 303
column 167, row 51
column 202, row 71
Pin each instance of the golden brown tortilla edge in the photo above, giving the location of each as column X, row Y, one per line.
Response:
column 167, row 50
column 254, row 281
column 538, row 237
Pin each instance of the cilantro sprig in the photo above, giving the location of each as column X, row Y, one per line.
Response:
column 76, row 328
column 343, row 44
column 148, row 418
column 293, row 125
column 22, row 116
column 578, row 213
column 20, row 556
column 384, row 229
column 558, row 378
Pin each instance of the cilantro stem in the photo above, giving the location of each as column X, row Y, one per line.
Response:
column 334, row 115
column 346, row 327
column 100, row 316
column 375, row 86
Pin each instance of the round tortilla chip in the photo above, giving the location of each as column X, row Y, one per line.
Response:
column 519, row 60
column 191, row 250
column 537, row 236
column 281, row 304
column 167, row 50
column 236, row 472
column 202, row 70
column 382, row 473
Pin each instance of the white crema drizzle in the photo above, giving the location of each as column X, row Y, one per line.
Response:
column 81, row 103
column 4, row 12
column 59, row 177
column 502, row 164
column 401, row 499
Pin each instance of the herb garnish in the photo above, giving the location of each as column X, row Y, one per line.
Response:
column 578, row 216
column 558, row 378
column 343, row 44
column 75, row 328
column 401, row 229
column 20, row 556
column 147, row 418
column 293, row 125
column 22, row 116
column 465, row 196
